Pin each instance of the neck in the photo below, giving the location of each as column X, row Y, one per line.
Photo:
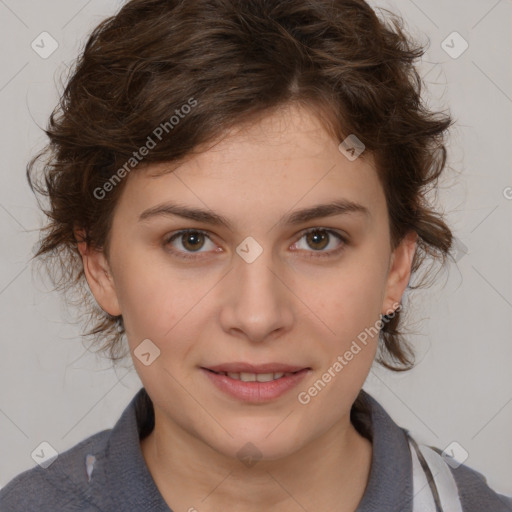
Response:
column 330, row 473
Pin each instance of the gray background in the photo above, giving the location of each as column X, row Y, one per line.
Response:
column 461, row 390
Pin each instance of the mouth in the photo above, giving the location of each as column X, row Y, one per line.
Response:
column 254, row 384
column 255, row 377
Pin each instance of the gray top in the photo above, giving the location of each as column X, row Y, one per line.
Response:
column 121, row 481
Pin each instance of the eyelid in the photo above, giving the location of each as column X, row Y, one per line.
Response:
column 333, row 231
column 343, row 238
column 176, row 235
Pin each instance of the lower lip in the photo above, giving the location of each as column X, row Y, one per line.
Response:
column 255, row 391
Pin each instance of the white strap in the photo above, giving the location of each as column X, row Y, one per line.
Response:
column 422, row 495
column 423, row 500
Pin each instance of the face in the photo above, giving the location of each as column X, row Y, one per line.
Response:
column 264, row 287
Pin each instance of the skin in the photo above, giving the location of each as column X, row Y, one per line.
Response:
column 289, row 306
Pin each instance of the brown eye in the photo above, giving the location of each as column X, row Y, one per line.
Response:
column 191, row 241
column 317, row 239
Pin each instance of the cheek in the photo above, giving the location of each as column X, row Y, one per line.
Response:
column 355, row 294
column 152, row 301
column 351, row 308
column 164, row 305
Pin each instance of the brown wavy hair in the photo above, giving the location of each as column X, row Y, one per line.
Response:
column 239, row 60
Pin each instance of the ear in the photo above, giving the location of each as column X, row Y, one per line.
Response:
column 98, row 275
column 399, row 272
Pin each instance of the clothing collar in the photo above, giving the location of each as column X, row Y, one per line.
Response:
column 389, row 488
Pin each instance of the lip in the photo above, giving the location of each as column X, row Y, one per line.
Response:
column 255, row 392
column 238, row 367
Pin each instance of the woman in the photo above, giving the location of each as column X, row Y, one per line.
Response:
column 241, row 186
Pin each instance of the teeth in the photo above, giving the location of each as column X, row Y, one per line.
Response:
column 256, row 377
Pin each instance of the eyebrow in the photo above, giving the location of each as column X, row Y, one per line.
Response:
column 339, row 207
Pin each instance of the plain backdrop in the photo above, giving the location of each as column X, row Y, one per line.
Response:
column 52, row 390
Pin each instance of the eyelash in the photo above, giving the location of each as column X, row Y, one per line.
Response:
column 315, row 254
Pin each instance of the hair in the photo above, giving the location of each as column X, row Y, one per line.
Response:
column 196, row 69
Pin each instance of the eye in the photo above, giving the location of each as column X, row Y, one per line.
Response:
column 320, row 238
column 191, row 240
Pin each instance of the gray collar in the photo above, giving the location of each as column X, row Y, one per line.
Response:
column 389, row 488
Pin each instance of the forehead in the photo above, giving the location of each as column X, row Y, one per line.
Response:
column 290, row 133
column 284, row 158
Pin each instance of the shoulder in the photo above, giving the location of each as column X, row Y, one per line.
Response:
column 104, row 472
column 474, row 492
column 61, row 486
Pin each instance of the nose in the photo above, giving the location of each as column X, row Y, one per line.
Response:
column 257, row 304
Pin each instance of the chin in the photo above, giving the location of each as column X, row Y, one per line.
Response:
column 253, row 443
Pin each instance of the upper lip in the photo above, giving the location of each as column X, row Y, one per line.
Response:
column 238, row 367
